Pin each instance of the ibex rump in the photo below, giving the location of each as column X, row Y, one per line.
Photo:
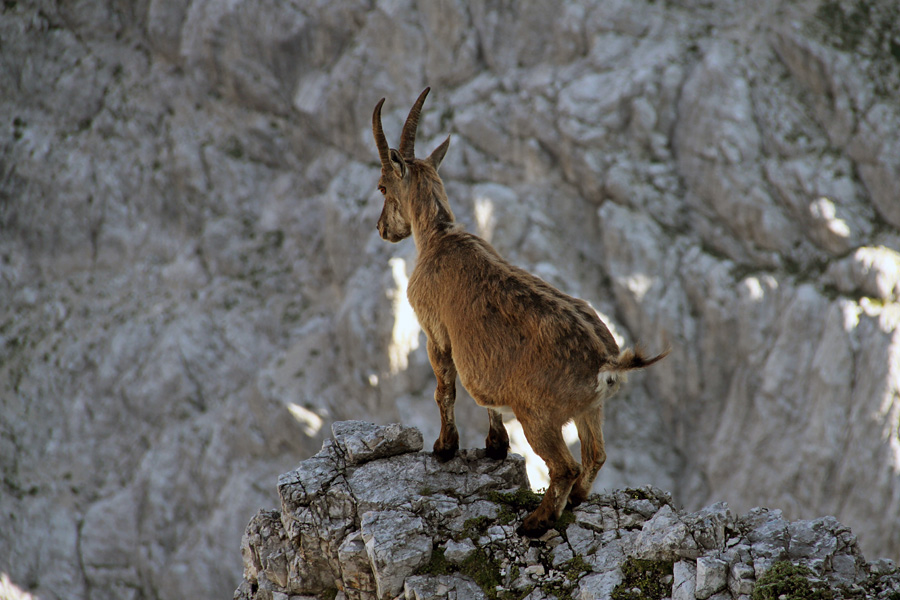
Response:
column 516, row 342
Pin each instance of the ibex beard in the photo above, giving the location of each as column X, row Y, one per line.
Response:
column 517, row 343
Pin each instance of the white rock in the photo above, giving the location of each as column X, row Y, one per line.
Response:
column 712, row 575
column 535, row 570
column 457, row 552
column 684, row 580
column 423, row 587
column 665, row 537
column 599, row 585
column 741, row 578
column 363, row 441
column 396, row 545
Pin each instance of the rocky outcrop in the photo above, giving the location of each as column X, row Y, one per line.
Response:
column 370, row 516
column 192, row 288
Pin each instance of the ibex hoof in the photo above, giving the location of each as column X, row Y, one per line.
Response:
column 496, row 452
column 445, row 454
column 533, row 530
column 575, row 499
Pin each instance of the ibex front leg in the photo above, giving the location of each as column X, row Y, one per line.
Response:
column 447, row 444
column 497, row 442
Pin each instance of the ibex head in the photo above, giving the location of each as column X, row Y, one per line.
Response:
column 402, row 176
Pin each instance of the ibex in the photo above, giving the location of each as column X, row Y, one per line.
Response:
column 516, row 342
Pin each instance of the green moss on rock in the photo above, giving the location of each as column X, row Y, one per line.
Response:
column 512, row 503
column 521, row 499
column 479, row 566
column 575, row 568
column 484, row 571
column 644, row 579
column 475, row 526
column 787, row 581
column 438, row 565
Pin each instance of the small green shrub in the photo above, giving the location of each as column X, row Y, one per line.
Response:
column 644, row 580
column 485, row 571
column 438, row 565
column 475, row 526
column 330, row 594
column 786, row 581
column 562, row 523
column 521, row 499
column 512, row 503
column 575, row 568
column 479, row 566
column 638, row 494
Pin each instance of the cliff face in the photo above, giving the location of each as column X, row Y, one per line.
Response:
column 370, row 516
column 192, row 288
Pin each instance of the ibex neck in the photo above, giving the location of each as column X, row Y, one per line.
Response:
column 425, row 236
column 433, row 216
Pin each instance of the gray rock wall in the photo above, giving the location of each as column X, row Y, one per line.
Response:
column 191, row 286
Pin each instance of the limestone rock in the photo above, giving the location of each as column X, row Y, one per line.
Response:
column 431, row 536
column 710, row 525
column 684, row 582
column 458, row 552
column 361, row 441
column 712, row 575
column 665, row 537
column 396, row 545
column 422, row 587
column 741, row 579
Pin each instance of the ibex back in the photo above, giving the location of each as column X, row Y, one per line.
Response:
column 516, row 342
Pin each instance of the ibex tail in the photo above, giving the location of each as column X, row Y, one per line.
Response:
column 632, row 359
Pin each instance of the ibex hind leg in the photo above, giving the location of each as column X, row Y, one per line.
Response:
column 593, row 454
column 548, row 443
column 497, row 442
column 447, row 444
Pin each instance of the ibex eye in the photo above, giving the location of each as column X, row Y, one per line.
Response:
column 382, row 189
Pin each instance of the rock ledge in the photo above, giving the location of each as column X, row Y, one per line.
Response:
column 371, row 516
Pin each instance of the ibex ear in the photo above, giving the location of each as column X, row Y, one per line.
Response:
column 438, row 155
column 398, row 164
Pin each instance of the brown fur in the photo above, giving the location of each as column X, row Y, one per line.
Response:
column 515, row 341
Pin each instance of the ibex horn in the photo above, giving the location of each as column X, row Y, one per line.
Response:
column 408, row 137
column 380, row 140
